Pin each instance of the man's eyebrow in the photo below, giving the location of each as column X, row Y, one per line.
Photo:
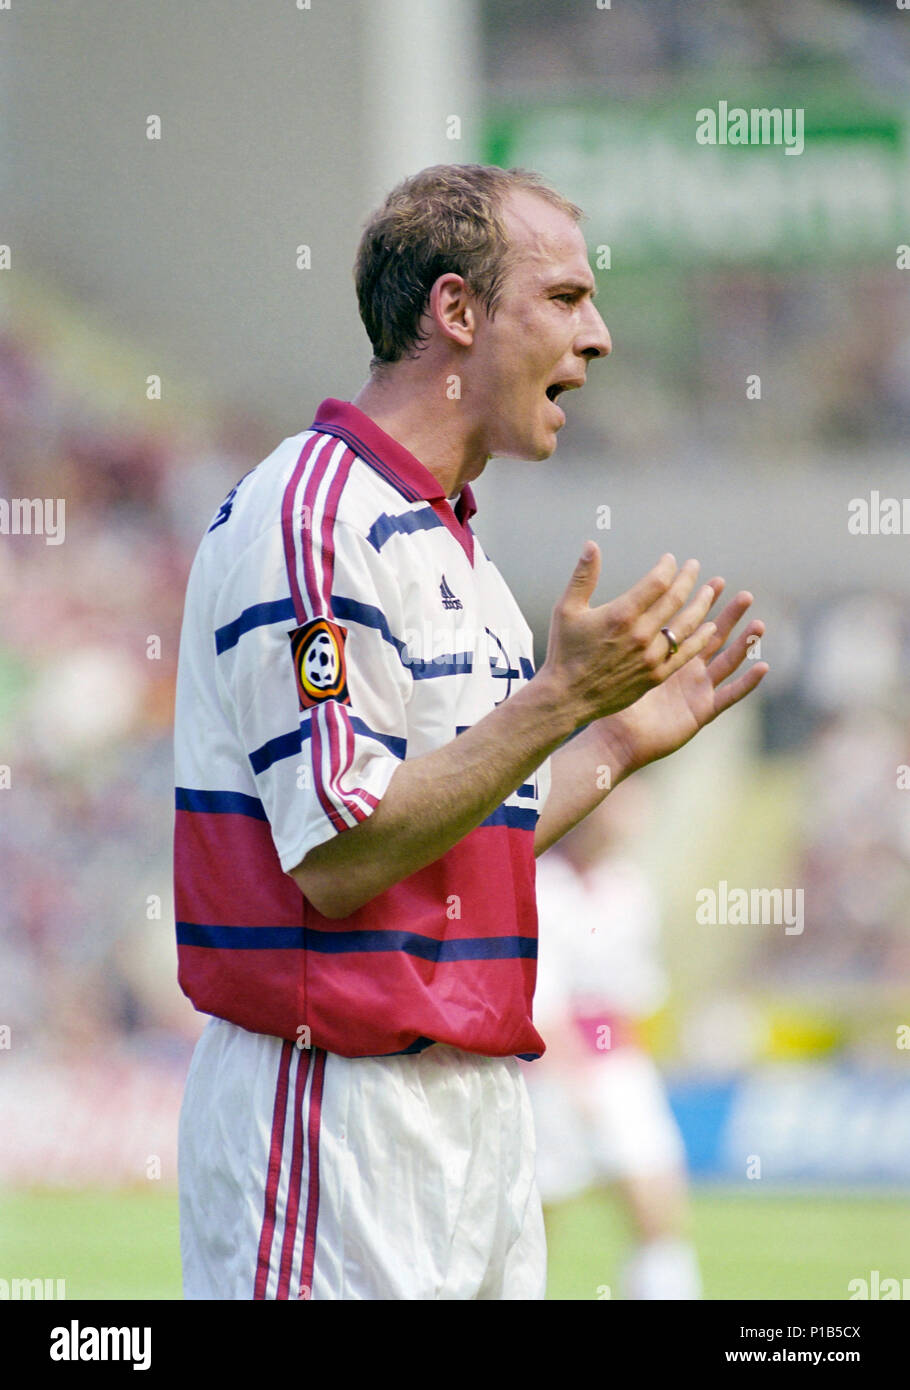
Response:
column 570, row 283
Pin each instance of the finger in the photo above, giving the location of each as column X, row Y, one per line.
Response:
column 668, row 604
column 730, row 615
column 684, row 625
column 650, row 587
column 584, row 577
column 737, row 690
column 724, row 665
column 691, row 617
column 692, row 646
column 718, row 585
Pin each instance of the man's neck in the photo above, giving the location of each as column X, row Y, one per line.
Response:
column 421, row 417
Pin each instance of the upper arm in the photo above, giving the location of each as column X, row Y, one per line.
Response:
column 317, row 692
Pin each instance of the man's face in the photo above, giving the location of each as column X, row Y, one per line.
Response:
column 544, row 332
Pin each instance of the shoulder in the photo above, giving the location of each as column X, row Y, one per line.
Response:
column 310, row 481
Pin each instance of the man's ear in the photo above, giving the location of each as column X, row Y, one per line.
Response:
column 452, row 308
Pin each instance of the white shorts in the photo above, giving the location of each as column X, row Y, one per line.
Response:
column 304, row 1174
column 614, row 1122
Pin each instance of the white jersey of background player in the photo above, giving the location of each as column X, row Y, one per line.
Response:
column 600, row 1108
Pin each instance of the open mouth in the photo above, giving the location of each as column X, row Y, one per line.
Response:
column 555, row 391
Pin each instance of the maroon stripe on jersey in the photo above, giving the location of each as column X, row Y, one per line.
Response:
column 342, row 739
column 288, row 524
column 312, row 1204
column 318, row 592
column 490, row 869
column 335, row 714
column 348, row 998
column 327, row 537
column 274, row 1172
column 336, row 486
column 318, row 734
column 227, row 870
column 314, row 579
column 317, row 602
column 340, row 731
column 342, row 734
column 488, row 876
column 293, row 1201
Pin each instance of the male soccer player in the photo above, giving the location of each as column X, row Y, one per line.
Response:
column 366, row 770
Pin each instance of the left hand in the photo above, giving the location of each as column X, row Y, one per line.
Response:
column 672, row 713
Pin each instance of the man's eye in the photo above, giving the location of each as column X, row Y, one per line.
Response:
column 566, row 298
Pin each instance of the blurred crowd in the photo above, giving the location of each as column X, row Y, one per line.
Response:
column 525, row 51
column 89, row 632
column 853, row 859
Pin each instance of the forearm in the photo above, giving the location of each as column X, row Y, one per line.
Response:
column 599, row 661
column 583, row 772
column 433, row 801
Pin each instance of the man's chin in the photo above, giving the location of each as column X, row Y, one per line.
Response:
column 543, row 446
column 547, row 446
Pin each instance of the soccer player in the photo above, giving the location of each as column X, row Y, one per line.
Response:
column 601, row 1113
column 367, row 765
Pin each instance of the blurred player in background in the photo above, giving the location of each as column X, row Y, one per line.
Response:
column 600, row 1108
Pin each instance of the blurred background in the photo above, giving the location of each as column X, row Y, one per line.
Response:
column 176, row 298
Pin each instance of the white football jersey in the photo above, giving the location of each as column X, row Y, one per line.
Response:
column 341, row 617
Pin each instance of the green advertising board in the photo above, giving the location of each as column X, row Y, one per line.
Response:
column 764, row 169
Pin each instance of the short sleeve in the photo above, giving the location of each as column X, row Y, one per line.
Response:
column 314, row 685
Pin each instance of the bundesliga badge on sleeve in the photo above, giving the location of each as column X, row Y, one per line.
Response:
column 318, row 651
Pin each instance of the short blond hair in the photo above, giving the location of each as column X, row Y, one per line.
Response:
column 448, row 218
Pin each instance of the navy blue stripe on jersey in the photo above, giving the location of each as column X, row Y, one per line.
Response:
column 421, row 668
column 368, row 615
column 398, row 746
column 456, row 664
column 526, row 667
column 405, row 524
column 419, row 1045
column 259, row 615
column 276, row 749
column 289, row 745
column 221, row 803
column 518, row 817
column 347, row 942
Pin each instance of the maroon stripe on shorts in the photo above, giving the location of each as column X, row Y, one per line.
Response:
column 312, row 1205
column 274, row 1172
column 293, row 1202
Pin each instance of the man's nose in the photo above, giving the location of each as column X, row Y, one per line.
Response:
column 595, row 338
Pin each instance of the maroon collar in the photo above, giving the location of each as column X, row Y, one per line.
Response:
column 398, row 466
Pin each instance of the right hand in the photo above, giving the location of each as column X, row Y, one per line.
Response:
column 606, row 658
